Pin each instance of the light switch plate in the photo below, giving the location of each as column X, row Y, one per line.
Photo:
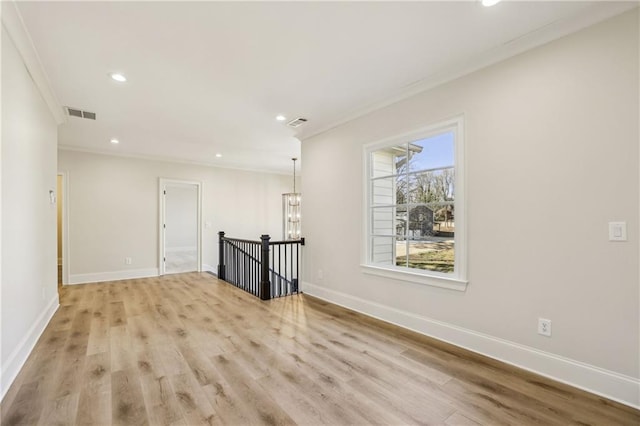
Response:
column 617, row 231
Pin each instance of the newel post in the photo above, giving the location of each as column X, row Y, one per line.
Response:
column 221, row 274
column 265, row 285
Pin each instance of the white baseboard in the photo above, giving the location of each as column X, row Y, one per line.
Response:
column 209, row 268
column 18, row 357
column 127, row 274
column 609, row 384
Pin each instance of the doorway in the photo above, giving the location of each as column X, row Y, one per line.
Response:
column 62, row 229
column 180, row 234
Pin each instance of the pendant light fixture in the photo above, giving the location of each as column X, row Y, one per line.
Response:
column 291, row 211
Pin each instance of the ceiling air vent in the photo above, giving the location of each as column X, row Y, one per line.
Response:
column 297, row 122
column 74, row 112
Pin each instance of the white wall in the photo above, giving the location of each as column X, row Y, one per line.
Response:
column 29, row 255
column 113, row 211
column 552, row 156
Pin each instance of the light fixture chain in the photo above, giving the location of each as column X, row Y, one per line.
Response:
column 294, row 174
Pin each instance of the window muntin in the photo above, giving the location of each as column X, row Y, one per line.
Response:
column 412, row 204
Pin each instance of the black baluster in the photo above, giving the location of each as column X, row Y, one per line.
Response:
column 265, row 293
column 221, row 255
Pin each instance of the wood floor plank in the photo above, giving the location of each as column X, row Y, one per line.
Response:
column 117, row 314
column 68, row 375
column 122, row 355
column 322, row 372
column 60, row 412
column 127, row 401
column 160, row 400
column 227, row 404
column 149, row 362
column 416, row 392
column 62, row 319
column 302, row 389
column 43, row 364
column 457, row 419
column 190, row 350
column 260, row 406
column 172, row 360
column 477, row 403
column 194, row 405
column 135, row 303
column 199, row 365
column 94, row 405
column 140, row 332
column 26, row 408
column 99, row 338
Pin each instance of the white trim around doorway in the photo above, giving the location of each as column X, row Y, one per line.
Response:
column 163, row 182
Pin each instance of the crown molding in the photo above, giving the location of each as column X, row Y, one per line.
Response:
column 14, row 25
column 216, row 165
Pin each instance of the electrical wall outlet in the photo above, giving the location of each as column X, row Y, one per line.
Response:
column 544, row 327
column 320, row 275
column 127, row 261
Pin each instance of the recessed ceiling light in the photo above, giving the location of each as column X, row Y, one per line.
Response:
column 489, row 3
column 118, row 77
column 114, row 141
column 280, row 117
column 218, row 155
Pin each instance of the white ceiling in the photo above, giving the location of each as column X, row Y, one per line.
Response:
column 210, row 77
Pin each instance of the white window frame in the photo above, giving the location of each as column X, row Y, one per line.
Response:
column 456, row 280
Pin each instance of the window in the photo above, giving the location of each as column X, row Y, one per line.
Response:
column 414, row 207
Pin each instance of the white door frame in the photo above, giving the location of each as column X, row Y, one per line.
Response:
column 161, row 215
column 65, row 226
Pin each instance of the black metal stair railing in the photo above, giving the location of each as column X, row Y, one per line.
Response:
column 265, row 268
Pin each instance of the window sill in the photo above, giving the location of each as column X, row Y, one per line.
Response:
column 430, row 280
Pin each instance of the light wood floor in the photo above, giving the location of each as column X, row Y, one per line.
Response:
column 189, row 350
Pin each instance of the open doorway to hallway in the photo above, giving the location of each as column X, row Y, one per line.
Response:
column 59, row 199
column 62, row 228
column 180, row 206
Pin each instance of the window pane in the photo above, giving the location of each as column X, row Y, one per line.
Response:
column 382, row 250
column 432, row 254
column 402, row 186
column 444, row 219
column 432, row 152
column 382, row 221
column 431, row 186
column 401, row 251
column 402, row 220
column 385, row 162
column 431, row 237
